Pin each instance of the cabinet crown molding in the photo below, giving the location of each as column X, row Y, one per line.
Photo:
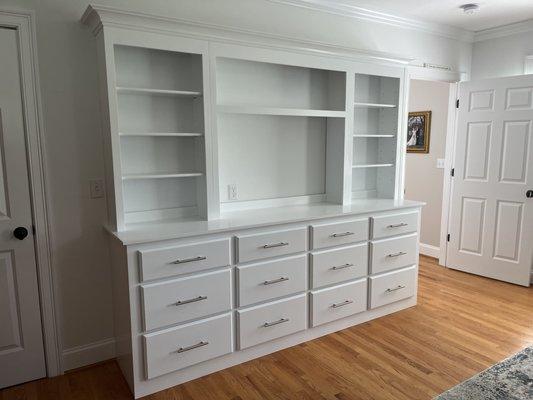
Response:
column 96, row 17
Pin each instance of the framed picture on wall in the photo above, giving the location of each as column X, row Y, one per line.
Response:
column 418, row 131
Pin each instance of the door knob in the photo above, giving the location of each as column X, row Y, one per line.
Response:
column 529, row 194
column 20, row 233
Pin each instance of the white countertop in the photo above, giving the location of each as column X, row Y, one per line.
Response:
column 176, row 229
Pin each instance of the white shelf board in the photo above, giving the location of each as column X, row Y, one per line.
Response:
column 163, row 134
column 362, row 135
column 161, row 175
column 298, row 112
column 374, row 105
column 372, row 165
column 160, row 92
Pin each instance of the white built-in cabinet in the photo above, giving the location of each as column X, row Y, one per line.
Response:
column 254, row 192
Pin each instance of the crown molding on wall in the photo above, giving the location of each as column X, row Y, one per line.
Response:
column 505, row 30
column 97, row 16
column 345, row 9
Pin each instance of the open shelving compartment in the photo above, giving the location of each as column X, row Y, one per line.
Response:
column 161, row 130
column 281, row 131
column 375, row 136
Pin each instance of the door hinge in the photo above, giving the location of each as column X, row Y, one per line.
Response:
column 452, row 172
column 457, row 103
column 448, row 237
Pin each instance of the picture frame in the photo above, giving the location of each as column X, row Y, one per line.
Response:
column 418, row 132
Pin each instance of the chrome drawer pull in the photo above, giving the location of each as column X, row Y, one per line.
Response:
column 336, row 268
column 270, row 246
column 401, row 253
column 335, row 235
column 344, row 303
column 397, row 225
column 193, row 300
column 282, row 279
column 389, row 290
column 186, row 260
column 194, row 346
column 279, row 321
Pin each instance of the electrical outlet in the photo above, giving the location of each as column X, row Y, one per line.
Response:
column 440, row 163
column 97, row 188
column 232, row 191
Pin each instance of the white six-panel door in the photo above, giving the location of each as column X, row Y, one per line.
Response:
column 21, row 346
column 491, row 222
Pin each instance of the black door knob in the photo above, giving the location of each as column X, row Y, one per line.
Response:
column 529, row 194
column 20, row 233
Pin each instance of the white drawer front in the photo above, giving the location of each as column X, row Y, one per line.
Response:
column 172, row 261
column 176, row 348
column 338, row 265
column 271, row 244
column 337, row 233
column 179, row 300
column 393, row 253
column 270, row 321
column 396, row 224
column 392, row 286
column 271, row 279
column 338, row 302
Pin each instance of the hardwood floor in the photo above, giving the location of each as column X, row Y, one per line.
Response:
column 461, row 325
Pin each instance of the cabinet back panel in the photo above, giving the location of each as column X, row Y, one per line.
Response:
column 157, row 69
column 376, row 89
column 264, row 84
column 271, row 156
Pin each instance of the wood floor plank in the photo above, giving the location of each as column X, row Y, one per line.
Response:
column 461, row 325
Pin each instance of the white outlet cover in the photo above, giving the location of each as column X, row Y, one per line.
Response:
column 440, row 163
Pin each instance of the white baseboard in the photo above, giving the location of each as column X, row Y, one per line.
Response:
column 429, row 250
column 87, row 354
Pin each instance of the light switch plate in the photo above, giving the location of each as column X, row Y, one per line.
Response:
column 440, row 163
column 97, row 188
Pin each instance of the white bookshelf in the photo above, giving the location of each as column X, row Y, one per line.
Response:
column 161, row 132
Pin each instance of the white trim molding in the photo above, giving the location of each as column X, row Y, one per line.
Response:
column 504, row 30
column 92, row 353
column 429, row 250
column 347, row 9
column 97, row 16
column 24, row 22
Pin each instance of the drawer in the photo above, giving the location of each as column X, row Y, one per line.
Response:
column 337, row 233
column 271, row 279
column 176, row 348
column 392, row 286
column 337, row 265
column 397, row 224
column 338, row 302
column 172, row 261
column 180, row 300
column 271, row 244
column 393, row 253
column 266, row 322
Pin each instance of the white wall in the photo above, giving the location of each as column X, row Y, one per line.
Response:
column 502, row 56
column 423, row 180
column 67, row 67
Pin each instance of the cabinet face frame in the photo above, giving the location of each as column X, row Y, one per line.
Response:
column 338, row 175
column 107, row 39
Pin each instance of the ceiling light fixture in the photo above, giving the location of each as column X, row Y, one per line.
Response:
column 469, row 8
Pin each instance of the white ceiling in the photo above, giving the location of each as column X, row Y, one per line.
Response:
column 492, row 13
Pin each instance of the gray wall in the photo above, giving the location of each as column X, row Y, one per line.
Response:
column 423, row 180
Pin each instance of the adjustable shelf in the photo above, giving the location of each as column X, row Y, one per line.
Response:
column 373, row 105
column 281, row 111
column 157, row 92
column 370, row 135
column 160, row 134
column 372, row 165
column 162, row 175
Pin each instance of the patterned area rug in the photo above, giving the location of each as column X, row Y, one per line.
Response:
column 511, row 379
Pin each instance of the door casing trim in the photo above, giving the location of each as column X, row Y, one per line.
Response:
column 23, row 21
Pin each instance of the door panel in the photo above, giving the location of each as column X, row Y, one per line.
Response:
column 491, row 227
column 21, row 346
